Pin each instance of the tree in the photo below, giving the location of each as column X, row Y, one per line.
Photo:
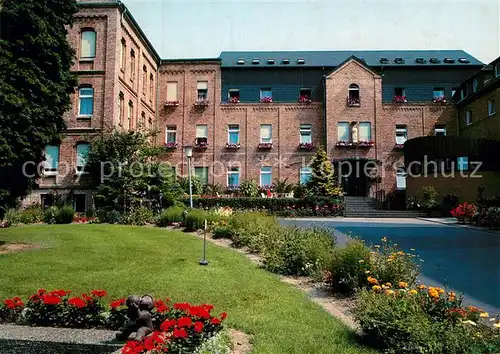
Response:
column 124, row 169
column 322, row 181
column 35, row 85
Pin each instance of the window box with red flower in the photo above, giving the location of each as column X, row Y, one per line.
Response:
column 439, row 99
column 305, row 99
column 201, row 146
column 344, row 143
column 306, row 146
column 353, row 101
column 171, row 103
column 233, row 100
column 266, row 99
column 201, row 103
column 171, row 145
column 399, row 146
column 399, row 99
column 265, row 145
column 368, row 143
column 233, row 146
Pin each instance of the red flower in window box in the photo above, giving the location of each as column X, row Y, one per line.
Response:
column 306, row 146
column 344, row 143
column 202, row 145
column 171, row 145
column 353, row 101
column 265, row 145
column 305, row 99
column 171, row 103
column 439, row 99
column 399, row 146
column 368, row 143
column 234, row 146
column 201, row 103
column 399, row 99
column 233, row 100
column 266, row 99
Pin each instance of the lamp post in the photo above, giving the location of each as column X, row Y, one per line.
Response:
column 188, row 151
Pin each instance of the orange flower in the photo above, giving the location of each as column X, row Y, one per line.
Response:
column 433, row 292
column 388, row 284
column 389, row 292
column 451, row 296
column 376, row 288
column 402, row 285
column 422, row 287
column 372, row 281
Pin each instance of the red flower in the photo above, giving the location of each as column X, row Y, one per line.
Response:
column 87, row 298
column 215, row 321
column 10, row 304
column 223, row 316
column 117, row 303
column 41, row 291
column 182, row 306
column 198, row 326
column 99, row 293
column 60, row 293
column 51, row 300
column 198, row 311
column 209, row 307
column 166, row 325
column 184, row 322
column 77, row 302
column 180, row 333
column 160, row 306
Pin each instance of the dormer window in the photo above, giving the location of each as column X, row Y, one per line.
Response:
column 399, row 61
column 384, row 61
column 362, row 59
column 286, row 61
column 353, row 98
column 434, row 60
column 256, row 61
column 497, row 70
column 301, row 61
column 270, row 61
column 449, row 60
column 420, row 61
column 463, row 60
column 240, row 61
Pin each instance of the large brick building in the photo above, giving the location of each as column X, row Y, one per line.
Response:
column 253, row 115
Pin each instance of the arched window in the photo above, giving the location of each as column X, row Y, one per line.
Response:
column 121, row 103
column 86, row 101
column 143, row 120
column 151, row 87
column 353, row 99
column 123, row 54
column 144, row 79
column 132, row 65
column 88, row 44
column 130, row 117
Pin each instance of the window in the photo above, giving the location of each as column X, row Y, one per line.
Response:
column 143, row 120
column 79, row 202
column 365, row 131
column 497, row 70
column 305, row 92
column 400, row 179
column 130, row 114
column 171, row 134
column 270, row 61
column 47, row 200
column 343, row 131
column 401, row 134
column 202, row 87
column 474, row 85
column 150, row 123
column 88, row 44
column 234, row 94
column 491, row 106
column 233, row 176
column 51, row 159
column 399, row 91
column 305, row 133
column 82, row 154
column 438, row 92
column 145, row 80
column 172, row 91
column 256, row 61
column 439, row 130
column 454, row 90
column 121, row 108
column 353, row 93
column 266, row 176
column 266, row 93
column 132, row 65
column 462, row 163
column 201, row 174
column 266, row 133
column 305, row 174
column 86, row 101
column 151, row 87
column 233, row 134
column 123, row 51
column 468, row 117
column 301, row 61
column 240, row 61
column 202, row 131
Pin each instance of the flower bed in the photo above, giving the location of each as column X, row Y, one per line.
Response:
column 179, row 327
column 201, row 145
column 233, row 100
column 399, row 146
column 439, row 99
column 464, row 212
column 201, row 103
column 353, row 102
column 344, row 143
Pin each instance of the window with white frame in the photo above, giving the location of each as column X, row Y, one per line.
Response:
column 491, row 106
column 88, row 44
column 85, row 101
column 51, row 159
column 439, row 130
column 172, row 91
column 468, row 117
column 305, row 175
column 266, row 133
column 132, row 65
column 233, row 176
column 353, row 94
column 123, row 54
column 343, row 131
column 365, row 131
column 305, row 133
column 202, row 87
column 233, row 136
column 497, row 70
column 266, row 176
column 401, row 134
column 266, row 93
column 201, row 174
column 400, row 178
column 202, row 131
column 171, row 134
column 82, row 154
column 474, row 85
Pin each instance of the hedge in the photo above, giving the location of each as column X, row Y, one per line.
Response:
column 279, row 206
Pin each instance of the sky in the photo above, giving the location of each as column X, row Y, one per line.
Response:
column 202, row 28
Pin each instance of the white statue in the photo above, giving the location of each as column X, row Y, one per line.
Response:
column 354, row 134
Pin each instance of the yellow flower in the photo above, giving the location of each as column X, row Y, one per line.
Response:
column 484, row 315
column 433, row 293
column 413, row 292
column 403, row 285
column 389, row 292
column 385, row 287
column 451, row 296
column 388, row 284
column 376, row 288
column 497, row 325
column 377, row 246
column 440, row 291
column 372, row 281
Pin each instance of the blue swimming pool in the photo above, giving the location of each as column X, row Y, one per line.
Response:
column 465, row 260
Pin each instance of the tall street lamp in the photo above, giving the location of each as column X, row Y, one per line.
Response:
column 188, row 151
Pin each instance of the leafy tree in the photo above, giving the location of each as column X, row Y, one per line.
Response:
column 323, row 180
column 35, row 86
column 124, row 168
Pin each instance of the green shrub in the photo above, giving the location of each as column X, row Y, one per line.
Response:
column 64, row 215
column 30, row 215
column 49, row 215
column 196, row 185
column 10, row 218
column 109, row 216
column 195, row 220
column 170, row 215
column 429, row 198
column 252, row 229
column 138, row 216
column 248, row 188
column 350, row 267
column 223, row 232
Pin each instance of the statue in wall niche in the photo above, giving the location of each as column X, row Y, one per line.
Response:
column 139, row 316
column 354, row 133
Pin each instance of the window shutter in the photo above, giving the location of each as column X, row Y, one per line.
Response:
column 171, row 91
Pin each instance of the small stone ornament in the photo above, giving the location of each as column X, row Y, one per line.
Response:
column 139, row 316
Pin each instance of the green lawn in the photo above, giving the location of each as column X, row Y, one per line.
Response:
column 125, row 260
